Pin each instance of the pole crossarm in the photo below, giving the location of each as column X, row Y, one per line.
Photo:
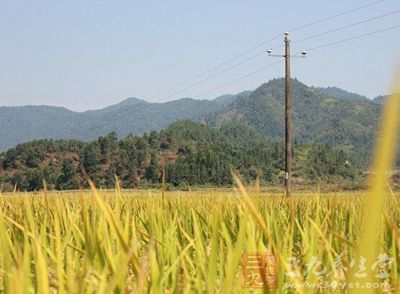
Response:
column 274, row 55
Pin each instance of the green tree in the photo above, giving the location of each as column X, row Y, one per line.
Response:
column 67, row 179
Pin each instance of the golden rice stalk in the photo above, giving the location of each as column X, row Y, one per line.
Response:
column 371, row 228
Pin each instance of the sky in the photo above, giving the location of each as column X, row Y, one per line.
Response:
column 90, row 54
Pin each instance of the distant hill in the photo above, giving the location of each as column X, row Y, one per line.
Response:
column 380, row 99
column 25, row 123
column 341, row 94
column 229, row 98
column 133, row 115
column 317, row 117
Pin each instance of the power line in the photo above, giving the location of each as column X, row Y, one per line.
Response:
column 266, row 42
column 241, row 78
column 347, row 26
column 279, row 46
column 217, row 66
column 337, row 15
column 354, row 38
column 214, row 75
column 310, row 49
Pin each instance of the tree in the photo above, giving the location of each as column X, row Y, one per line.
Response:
column 67, row 179
column 92, row 159
column 153, row 171
column 34, row 179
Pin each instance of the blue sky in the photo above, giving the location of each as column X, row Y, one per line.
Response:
column 89, row 54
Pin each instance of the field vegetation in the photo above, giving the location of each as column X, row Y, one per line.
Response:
column 99, row 241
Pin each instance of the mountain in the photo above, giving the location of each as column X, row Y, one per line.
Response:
column 227, row 99
column 131, row 101
column 380, row 99
column 21, row 124
column 133, row 115
column 341, row 94
column 316, row 117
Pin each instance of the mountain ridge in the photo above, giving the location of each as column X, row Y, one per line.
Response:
column 132, row 115
column 261, row 108
column 341, row 94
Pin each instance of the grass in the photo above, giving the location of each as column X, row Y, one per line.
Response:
column 189, row 242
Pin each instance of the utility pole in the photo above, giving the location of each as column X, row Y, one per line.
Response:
column 288, row 114
column 288, row 119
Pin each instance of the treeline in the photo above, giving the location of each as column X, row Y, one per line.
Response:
column 189, row 153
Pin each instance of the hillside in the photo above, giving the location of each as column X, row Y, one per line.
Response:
column 25, row 123
column 22, row 124
column 380, row 99
column 190, row 153
column 317, row 117
column 341, row 94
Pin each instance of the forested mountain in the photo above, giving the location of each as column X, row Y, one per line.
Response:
column 341, row 94
column 317, row 117
column 380, row 99
column 25, row 123
column 190, row 154
column 349, row 122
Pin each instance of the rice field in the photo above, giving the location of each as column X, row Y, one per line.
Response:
column 172, row 242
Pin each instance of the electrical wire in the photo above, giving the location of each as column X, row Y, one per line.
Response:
column 354, row 38
column 347, row 26
column 264, row 43
column 241, row 78
column 279, row 46
column 310, row 49
column 337, row 15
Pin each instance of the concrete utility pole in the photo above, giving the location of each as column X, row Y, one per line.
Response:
column 288, row 114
